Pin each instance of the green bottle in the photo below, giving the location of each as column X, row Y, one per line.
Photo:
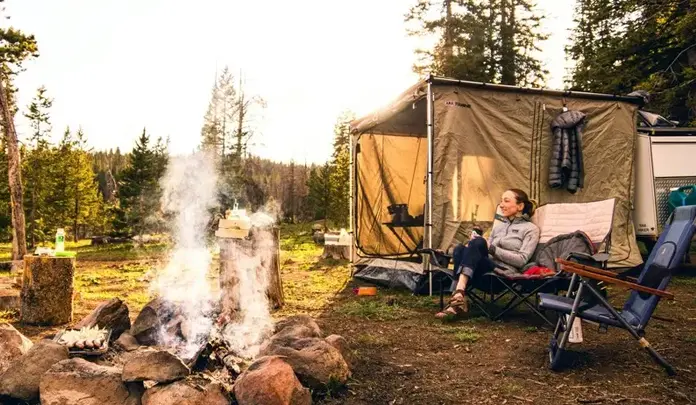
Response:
column 60, row 240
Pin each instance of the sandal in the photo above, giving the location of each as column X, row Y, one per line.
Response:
column 456, row 306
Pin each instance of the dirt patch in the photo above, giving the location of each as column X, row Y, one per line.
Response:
column 404, row 356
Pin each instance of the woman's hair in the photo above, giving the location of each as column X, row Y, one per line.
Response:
column 522, row 198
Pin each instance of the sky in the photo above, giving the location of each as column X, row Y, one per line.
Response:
column 115, row 67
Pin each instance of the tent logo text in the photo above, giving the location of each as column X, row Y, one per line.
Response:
column 457, row 104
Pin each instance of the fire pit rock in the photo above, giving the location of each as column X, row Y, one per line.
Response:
column 12, row 345
column 127, row 342
column 112, row 315
column 270, row 381
column 290, row 330
column 21, row 380
column 193, row 390
column 79, row 382
column 340, row 343
column 316, row 362
column 155, row 365
column 151, row 320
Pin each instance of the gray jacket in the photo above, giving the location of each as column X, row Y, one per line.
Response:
column 515, row 242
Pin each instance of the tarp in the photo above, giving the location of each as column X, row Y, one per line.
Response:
column 486, row 139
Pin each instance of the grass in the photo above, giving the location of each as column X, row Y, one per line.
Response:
column 466, row 334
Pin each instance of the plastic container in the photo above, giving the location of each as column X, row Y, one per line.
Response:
column 365, row 291
column 60, row 240
column 682, row 196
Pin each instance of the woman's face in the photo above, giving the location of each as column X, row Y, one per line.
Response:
column 509, row 205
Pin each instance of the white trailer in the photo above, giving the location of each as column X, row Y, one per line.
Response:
column 665, row 160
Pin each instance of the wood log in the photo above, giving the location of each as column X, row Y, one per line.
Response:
column 47, row 290
column 262, row 243
column 275, row 284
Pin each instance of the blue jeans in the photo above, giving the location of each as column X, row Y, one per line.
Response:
column 472, row 259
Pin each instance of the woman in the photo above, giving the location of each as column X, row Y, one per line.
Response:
column 510, row 246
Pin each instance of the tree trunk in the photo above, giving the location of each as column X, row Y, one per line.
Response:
column 19, row 242
column 449, row 46
column 32, row 220
column 507, row 51
column 47, row 290
column 77, row 212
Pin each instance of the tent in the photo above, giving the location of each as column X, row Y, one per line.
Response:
column 448, row 149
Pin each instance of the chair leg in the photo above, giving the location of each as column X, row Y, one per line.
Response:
column 641, row 340
column 556, row 356
column 442, row 298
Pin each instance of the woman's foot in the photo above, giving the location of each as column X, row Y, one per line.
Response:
column 458, row 305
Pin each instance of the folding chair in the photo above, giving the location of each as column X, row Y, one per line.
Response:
column 593, row 220
column 668, row 254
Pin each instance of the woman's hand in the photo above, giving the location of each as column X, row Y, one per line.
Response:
column 491, row 250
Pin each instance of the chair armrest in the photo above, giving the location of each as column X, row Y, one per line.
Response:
column 598, row 271
column 601, row 275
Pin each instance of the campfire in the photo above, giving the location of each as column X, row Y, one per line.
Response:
column 190, row 345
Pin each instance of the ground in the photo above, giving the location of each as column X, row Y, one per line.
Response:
column 404, row 356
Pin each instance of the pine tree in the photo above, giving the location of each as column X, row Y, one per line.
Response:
column 36, row 162
column 480, row 40
column 319, row 191
column 339, row 176
column 621, row 46
column 138, row 188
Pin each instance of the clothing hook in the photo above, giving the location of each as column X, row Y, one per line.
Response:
column 565, row 108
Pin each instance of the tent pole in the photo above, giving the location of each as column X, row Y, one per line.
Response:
column 429, row 187
column 351, row 211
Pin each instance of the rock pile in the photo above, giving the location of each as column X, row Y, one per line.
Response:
column 295, row 359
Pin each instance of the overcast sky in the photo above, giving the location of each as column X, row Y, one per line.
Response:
column 114, row 67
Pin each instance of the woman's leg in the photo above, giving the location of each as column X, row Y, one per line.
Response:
column 468, row 260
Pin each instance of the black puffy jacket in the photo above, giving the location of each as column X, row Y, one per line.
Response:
column 566, row 167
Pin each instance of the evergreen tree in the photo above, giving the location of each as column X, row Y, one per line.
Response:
column 480, row 40
column 36, row 162
column 621, row 46
column 319, row 191
column 339, row 176
column 138, row 188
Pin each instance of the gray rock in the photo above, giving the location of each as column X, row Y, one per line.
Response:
column 189, row 391
column 127, row 342
column 79, row 382
column 112, row 315
column 12, row 345
column 155, row 365
column 21, row 380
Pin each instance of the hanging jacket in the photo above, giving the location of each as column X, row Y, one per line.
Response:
column 566, row 167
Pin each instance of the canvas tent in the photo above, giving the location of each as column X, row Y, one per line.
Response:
column 449, row 148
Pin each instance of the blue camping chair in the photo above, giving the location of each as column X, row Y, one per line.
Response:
column 668, row 254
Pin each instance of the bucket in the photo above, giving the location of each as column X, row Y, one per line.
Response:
column 681, row 196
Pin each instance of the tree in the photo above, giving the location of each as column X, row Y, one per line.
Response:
column 621, row 46
column 139, row 188
column 36, row 161
column 480, row 40
column 319, row 191
column 339, row 175
column 15, row 47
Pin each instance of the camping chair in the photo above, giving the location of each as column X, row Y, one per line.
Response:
column 594, row 219
column 668, row 254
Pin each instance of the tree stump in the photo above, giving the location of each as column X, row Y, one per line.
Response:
column 264, row 244
column 47, row 290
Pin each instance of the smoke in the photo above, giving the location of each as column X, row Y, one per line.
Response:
column 189, row 194
column 251, row 264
